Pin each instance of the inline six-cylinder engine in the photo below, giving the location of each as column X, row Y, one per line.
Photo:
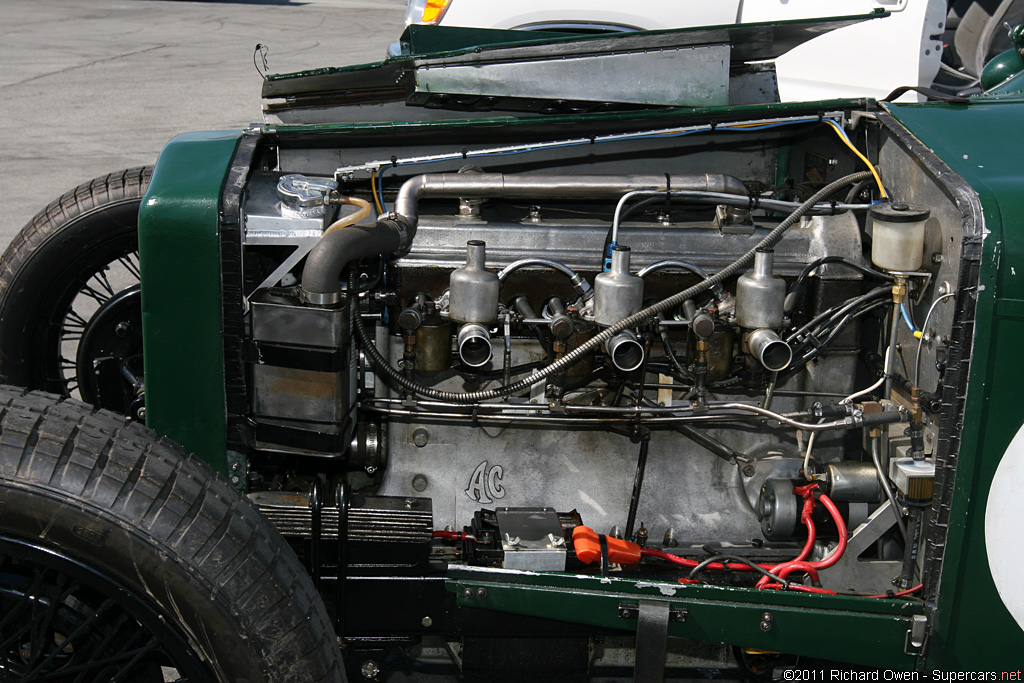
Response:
column 718, row 340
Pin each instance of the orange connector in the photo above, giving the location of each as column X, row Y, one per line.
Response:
column 588, row 547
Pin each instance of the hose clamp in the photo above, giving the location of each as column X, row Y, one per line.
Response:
column 399, row 224
column 321, row 298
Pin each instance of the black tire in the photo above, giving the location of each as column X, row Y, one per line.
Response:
column 94, row 507
column 57, row 275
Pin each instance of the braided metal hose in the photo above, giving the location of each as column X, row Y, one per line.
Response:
column 597, row 340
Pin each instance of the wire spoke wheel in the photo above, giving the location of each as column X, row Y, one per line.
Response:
column 100, row 337
column 64, row 621
column 70, row 296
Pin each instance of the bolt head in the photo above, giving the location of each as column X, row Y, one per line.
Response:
column 766, row 626
column 420, row 437
column 467, row 592
column 370, row 669
column 427, row 622
column 748, row 470
column 481, row 593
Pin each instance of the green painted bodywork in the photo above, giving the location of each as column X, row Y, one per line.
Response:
column 974, row 628
column 862, row 630
column 1007, row 64
column 179, row 250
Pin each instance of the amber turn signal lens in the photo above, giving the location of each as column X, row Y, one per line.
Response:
column 433, row 10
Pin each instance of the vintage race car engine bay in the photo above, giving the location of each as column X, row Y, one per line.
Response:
column 589, row 386
column 670, row 350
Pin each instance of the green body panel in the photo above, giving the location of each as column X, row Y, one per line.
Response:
column 179, row 249
column 1006, row 64
column 974, row 628
column 862, row 630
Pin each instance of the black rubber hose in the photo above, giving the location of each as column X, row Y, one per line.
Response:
column 870, row 272
column 793, row 298
column 837, row 311
column 337, row 249
column 811, row 347
column 670, row 354
column 597, row 340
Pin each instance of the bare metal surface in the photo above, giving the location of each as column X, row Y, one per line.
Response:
column 492, row 185
column 697, row 76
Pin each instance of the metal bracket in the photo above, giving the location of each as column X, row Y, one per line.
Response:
column 632, row 611
column 852, row 573
column 917, row 636
column 302, row 246
column 238, row 470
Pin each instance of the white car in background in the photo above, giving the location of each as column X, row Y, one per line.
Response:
column 870, row 59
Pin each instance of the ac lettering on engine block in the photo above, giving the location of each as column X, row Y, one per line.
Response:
column 485, row 484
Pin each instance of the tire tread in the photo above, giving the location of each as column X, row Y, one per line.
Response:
column 185, row 511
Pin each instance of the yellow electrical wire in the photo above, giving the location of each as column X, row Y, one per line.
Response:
column 373, row 191
column 842, row 136
column 846, row 141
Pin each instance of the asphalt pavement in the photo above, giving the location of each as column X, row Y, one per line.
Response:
column 93, row 86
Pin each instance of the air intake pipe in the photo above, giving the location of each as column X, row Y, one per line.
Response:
column 626, row 352
column 394, row 231
column 474, row 345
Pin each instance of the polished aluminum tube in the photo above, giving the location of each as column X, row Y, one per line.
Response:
column 767, row 347
column 474, row 344
column 579, row 285
column 493, row 185
column 626, row 352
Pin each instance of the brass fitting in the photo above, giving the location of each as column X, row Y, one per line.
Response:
column 899, row 290
column 916, row 414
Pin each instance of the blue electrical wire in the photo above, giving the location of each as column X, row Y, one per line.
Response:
column 380, row 188
column 906, row 319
